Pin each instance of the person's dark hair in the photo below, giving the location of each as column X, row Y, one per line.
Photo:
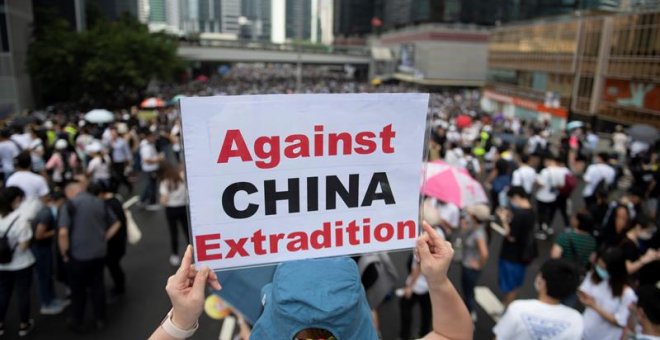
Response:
column 615, row 264
column 502, row 166
column 524, row 158
column 585, row 222
column 517, row 191
column 604, row 156
column 5, row 133
column 561, row 278
column 24, row 160
column 56, row 195
column 7, row 197
column 95, row 188
column 170, row 173
column 648, row 299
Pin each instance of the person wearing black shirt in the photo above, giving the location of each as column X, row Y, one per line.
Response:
column 518, row 223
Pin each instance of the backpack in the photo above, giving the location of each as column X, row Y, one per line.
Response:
column 470, row 168
column 570, row 182
column 6, row 250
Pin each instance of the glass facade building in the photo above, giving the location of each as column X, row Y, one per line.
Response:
column 604, row 67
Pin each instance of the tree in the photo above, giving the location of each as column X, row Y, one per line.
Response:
column 109, row 65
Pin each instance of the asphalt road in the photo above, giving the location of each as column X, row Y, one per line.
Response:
column 146, row 264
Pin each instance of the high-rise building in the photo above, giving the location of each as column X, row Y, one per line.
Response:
column 219, row 16
column 258, row 15
column 157, row 11
column 15, row 28
column 298, row 14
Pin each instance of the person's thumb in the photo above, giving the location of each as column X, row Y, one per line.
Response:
column 200, row 282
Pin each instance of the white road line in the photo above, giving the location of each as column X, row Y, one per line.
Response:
column 130, row 202
column 497, row 228
column 489, row 302
column 227, row 330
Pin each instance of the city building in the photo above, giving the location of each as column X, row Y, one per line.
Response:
column 15, row 22
column 257, row 14
column 432, row 54
column 600, row 68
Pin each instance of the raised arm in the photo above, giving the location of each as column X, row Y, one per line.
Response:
column 451, row 319
column 186, row 292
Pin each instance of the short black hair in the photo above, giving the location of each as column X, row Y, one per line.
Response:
column 95, row 188
column 24, row 160
column 517, row 191
column 561, row 278
column 585, row 222
column 604, row 156
column 524, row 158
column 648, row 299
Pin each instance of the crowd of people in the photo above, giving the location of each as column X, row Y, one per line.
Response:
column 65, row 180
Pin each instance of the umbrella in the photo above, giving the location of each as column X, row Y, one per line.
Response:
column 152, row 103
column 175, row 99
column 644, row 133
column 99, row 116
column 21, row 121
column 453, row 185
column 202, row 78
column 463, row 121
column 576, row 124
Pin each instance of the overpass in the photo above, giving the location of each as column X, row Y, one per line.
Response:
column 247, row 51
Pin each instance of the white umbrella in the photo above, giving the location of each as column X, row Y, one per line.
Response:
column 99, row 116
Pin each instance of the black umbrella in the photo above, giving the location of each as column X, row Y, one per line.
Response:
column 644, row 133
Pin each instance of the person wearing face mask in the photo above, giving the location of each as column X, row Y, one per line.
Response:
column 475, row 251
column 545, row 317
column 606, row 297
column 44, row 226
column 631, row 245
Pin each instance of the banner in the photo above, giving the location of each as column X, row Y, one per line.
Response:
column 275, row 178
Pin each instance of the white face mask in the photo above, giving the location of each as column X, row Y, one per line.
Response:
column 538, row 284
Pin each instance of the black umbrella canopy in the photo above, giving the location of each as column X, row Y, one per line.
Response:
column 644, row 133
column 21, row 121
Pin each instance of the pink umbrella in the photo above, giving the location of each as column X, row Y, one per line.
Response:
column 453, row 185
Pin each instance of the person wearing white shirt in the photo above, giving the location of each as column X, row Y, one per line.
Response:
column 99, row 167
column 549, row 180
column 620, row 143
column 525, row 175
column 594, row 174
column 8, row 151
column 173, row 196
column 545, row 317
column 121, row 158
column 33, row 185
column 17, row 273
column 454, row 155
column 606, row 297
column 150, row 165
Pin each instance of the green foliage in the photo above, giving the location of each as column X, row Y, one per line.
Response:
column 108, row 65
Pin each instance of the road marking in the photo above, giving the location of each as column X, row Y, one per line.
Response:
column 130, row 202
column 497, row 228
column 489, row 302
column 227, row 330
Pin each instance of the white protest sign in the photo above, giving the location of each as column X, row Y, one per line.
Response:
column 276, row 178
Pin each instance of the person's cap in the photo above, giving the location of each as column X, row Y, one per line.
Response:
column 48, row 124
column 61, row 144
column 316, row 293
column 480, row 211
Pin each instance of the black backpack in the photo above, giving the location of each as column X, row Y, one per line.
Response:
column 7, row 251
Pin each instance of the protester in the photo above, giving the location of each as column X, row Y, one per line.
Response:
column 8, row 151
column 150, row 160
column 173, row 196
column 45, row 226
column 33, row 185
column 606, row 296
column 647, row 312
column 84, row 226
column 576, row 245
column 616, row 225
column 550, row 180
column 121, row 158
column 598, row 176
column 117, row 243
column 525, row 175
column 641, row 231
column 16, row 259
column 98, row 168
column 475, row 251
column 556, row 280
column 291, row 312
column 62, row 163
column 517, row 223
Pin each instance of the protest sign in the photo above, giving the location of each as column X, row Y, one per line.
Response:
column 283, row 177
